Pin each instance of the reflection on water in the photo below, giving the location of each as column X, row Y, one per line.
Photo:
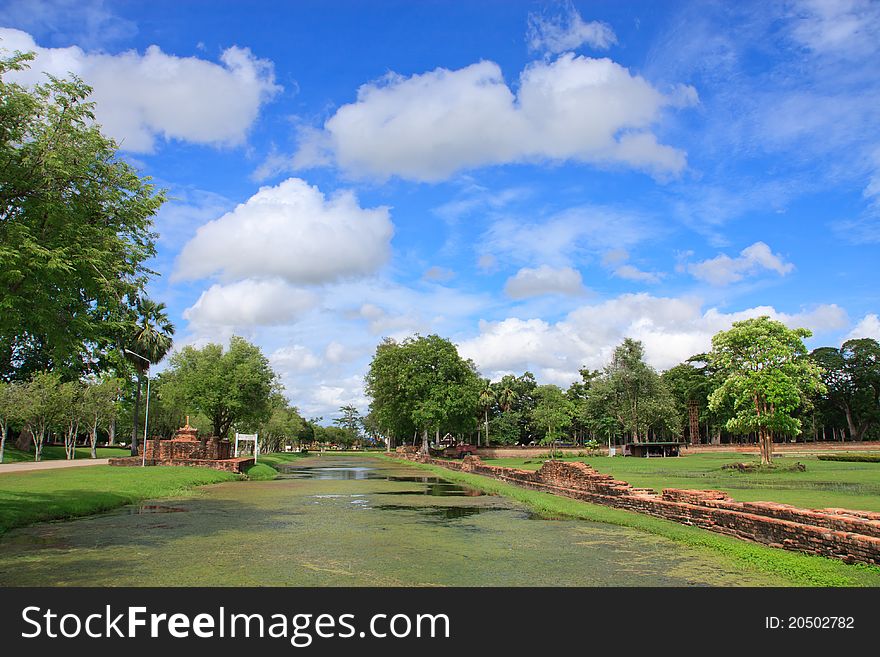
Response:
column 433, row 486
column 154, row 508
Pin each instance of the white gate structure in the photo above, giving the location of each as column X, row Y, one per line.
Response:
column 248, row 437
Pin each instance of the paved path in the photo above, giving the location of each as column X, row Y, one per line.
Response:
column 26, row 466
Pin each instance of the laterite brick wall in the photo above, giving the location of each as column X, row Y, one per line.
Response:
column 852, row 536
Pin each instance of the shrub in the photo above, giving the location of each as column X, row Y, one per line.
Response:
column 860, row 458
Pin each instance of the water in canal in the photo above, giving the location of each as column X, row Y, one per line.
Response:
column 350, row 521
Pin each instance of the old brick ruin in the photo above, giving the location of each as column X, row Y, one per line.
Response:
column 186, row 448
column 852, row 536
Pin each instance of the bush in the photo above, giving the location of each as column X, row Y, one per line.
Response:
column 859, row 458
column 261, row 472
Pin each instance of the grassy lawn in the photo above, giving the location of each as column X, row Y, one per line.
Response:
column 798, row 569
column 824, row 484
column 55, row 452
column 29, row 497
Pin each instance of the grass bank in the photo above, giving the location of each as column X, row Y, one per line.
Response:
column 29, row 497
column 824, row 484
column 56, row 452
column 798, row 569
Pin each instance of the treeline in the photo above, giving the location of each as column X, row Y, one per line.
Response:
column 220, row 391
column 757, row 384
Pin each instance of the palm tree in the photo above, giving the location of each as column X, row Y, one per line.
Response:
column 506, row 397
column 152, row 339
column 487, row 398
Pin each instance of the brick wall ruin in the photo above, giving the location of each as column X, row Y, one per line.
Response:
column 852, row 536
column 186, row 448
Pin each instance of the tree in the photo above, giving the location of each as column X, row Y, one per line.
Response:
column 70, row 412
column 10, row 401
column 99, row 407
column 350, row 421
column 422, row 384
column 851, row 376
column 75, row 229
column 640, row 399
column 151, row 340
column 38, row 407
column 767, row 375
column 690, row 387
column 486, row 400
column 232, row 388
column 284, row 425
column 553, row 411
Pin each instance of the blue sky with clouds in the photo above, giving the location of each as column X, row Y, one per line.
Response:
column 535, row 180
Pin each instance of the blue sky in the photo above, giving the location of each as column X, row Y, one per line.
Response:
column 534, row 180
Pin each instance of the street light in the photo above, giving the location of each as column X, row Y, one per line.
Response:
column 147, row 409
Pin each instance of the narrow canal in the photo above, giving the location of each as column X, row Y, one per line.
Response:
column 350, row 521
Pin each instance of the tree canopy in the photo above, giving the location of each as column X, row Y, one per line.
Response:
column 75, row 230
column 231, row 388
column 766, row 375
column 421, row 384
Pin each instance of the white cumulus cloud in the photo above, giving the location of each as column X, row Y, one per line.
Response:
column 868, row 327
column 291, row 231
column 529, row 282
column 155, row 95
column 250, row 303
column 672, row 329
column 427, row 127
column 723, row 270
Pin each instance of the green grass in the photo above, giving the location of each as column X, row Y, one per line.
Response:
column 280, row 458
column 261, row 472
column 56, row 452
column 798, row 569
column 29, row 497
column 824, row 484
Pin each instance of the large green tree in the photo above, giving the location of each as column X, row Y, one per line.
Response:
column 851, row 376
column 232, row 388
column 766, row 376
column 637, row 395
column 75, row 229
column 422, row 385
column 553, row 412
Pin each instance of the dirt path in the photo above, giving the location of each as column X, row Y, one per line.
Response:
column 26, row 466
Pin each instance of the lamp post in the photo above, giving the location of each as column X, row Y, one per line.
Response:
column 147, row 409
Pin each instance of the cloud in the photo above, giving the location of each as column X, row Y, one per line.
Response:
column 672, row 329
column 843, row 27
column 571, row 234
column 88, row 22
column 427, row 127
column 723, row 270
column 295, row 357
column 566, row 30
column 439, row 274
column 868, row 327
column 633, row 273
column 141, row 98
column 616, row 260
column 293, row 232
column 544, row 280
column 249, row 303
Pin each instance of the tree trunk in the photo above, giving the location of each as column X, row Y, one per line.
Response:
column 486, row 419
column 694, row 421
column 766, row 443
column 4, row 429
column 424, row 448
column 111, row 433
column 134, row 418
